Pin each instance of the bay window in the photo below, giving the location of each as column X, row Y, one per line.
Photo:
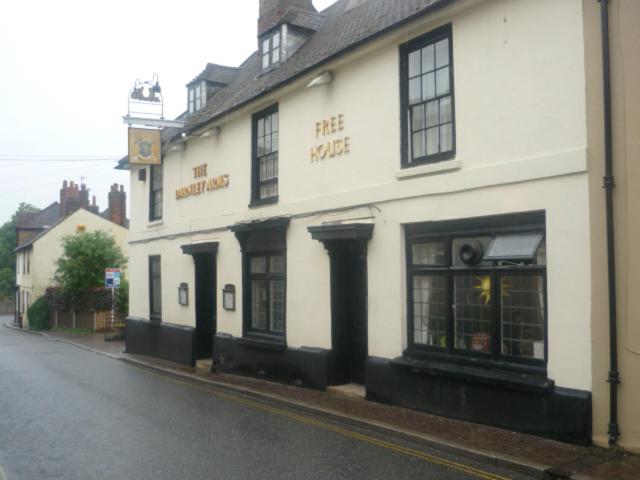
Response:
column 478, row 290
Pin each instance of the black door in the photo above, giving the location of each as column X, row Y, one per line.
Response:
column 349, row 310
column 205, row 303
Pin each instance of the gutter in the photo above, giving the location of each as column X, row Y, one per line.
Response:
column 608, row 185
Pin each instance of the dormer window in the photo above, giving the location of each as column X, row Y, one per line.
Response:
column 197, row 97
column 270, row 49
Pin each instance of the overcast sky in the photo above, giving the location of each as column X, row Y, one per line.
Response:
column 66, row 70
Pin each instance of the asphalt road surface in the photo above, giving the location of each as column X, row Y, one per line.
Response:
column 67, row 413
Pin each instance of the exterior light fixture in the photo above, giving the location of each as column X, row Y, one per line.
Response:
column 322, row 79
column 183, row 294
column 229, row 297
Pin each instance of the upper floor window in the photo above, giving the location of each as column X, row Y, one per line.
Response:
column 265, row 155
column 270, row 49
column 196, row 97
column 478, row 288
column 155, row 193
column 428, row 120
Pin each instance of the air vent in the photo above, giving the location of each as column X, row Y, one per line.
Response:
column 468, row 251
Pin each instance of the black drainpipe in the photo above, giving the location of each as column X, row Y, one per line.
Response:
column 614, row 375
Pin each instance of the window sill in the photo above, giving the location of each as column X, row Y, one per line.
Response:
column 154, row 223
column 264, row 201
column 485, row 375
column 430, row 169
column 274, row 344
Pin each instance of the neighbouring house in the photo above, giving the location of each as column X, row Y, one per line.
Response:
column 406, row 196
column 39, row 236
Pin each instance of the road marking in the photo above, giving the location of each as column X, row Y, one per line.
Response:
column 2, row 475
column 339, row 430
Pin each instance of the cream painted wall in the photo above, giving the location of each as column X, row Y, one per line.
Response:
column 521, row 145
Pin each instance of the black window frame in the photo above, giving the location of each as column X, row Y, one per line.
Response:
column 269, row 36
column 249, row 329
column 153, row 190
column 155, row 316
column 256, row 183
column 432, row 37
column 192, row 106
column 446, row 231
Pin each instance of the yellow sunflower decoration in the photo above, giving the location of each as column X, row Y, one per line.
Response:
column 484, row 288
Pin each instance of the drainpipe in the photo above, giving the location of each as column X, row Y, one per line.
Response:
column 614, row 375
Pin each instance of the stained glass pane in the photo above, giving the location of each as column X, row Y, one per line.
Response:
column 276, row 314
column 472, row 306
column 428, row 253
column 258, row 264
column 258, row 304
column 429, row 310
column 277, row 264
column 522, row 316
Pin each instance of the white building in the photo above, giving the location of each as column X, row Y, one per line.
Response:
column 395, row 194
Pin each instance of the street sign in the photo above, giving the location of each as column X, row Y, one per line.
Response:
column 112, row 278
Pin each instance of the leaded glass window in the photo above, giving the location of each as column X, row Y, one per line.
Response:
column 267, row 273
column 493, row 307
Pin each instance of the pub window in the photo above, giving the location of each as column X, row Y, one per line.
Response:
column 264, row 278
column 265, row 156
column 155, row 288
column 478, row 293
column 428, row 124
column 270, row 49
column 155, row 193
column 267, row 278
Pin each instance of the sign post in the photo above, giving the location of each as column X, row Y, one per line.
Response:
column 112, row 281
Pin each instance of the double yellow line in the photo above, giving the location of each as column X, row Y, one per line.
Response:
column 341, row 431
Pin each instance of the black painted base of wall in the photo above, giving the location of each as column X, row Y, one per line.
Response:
column 559, row 413
column 306, row 366
column 176, row 343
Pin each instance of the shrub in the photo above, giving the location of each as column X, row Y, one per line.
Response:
column 38, row 313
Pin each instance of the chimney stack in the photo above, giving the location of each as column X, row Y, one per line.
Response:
column 272, row 12
column 117, row 204
column 69, row 198
column 84, row 196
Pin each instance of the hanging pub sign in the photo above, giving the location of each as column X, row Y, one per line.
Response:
column 144, row 146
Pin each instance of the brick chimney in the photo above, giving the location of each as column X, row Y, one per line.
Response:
column 272, row 11
column 117, row 204
column 84, row 196
column 69, row 198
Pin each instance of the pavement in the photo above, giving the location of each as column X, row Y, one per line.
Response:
column 527, row 454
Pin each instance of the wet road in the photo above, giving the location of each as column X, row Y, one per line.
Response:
column 67, row 413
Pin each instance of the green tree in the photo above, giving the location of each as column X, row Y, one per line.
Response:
column 7, row 257
column 84, row 259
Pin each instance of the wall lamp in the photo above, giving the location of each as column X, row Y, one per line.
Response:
column 322, row 79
